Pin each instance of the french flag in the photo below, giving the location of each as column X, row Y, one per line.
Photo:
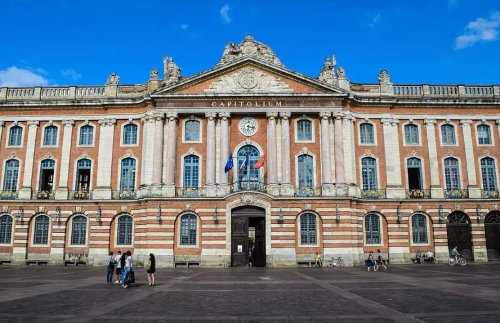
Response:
column 243, row 166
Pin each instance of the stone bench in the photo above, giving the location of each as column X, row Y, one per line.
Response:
column 74, row 262
column 37, row 262
column 5, row 262
column 186, row 264
column 309, row 263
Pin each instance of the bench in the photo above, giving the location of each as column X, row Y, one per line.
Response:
column 309, row 263
column 187, row 264
column 37, row 262
column 430, row 260
column 5, row 262
column 74, row 262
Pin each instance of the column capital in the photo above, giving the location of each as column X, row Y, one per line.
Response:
column 2, row 124
column 211, row 115
column 224, row 115
column 325, row 115
column 497, row 122
column 430, row 122
column 465, row 123
column 389, row 121
column 348, row 116
column 148, row 117
column 285, row 114
column 172, row 116
column 271, row 115
column 107, row 122
column 33, row 124
column 158, row 116
column 68, row 123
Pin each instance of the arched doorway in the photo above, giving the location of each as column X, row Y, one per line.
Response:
column 492, row 232
column 248, row 177
column 248, row 233
column 459, row 233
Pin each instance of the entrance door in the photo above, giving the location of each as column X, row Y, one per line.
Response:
column 459, row 233
column 248, row 232
column 492, row 232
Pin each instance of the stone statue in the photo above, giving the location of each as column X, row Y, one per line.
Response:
column 327, row 73
column 384, row 78
column 341, row 73
column 153, row 75
column 172, row 72
column 248, row 48
column 113, row 79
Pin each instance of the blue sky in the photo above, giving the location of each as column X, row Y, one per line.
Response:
column 81, row 42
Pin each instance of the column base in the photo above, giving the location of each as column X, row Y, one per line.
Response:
column 273, row 189
column 62, row 193
column 474, row 192
column 156, row 190
column 353, row 190
column 287, row 190
column 223, row 189
column 437, row 192
column 210, row 190
column 328, row 189
column 101, row 193
column 441, row 254
column 480, row 253
column 395, row 192
column 341, row 189
column 25, row 193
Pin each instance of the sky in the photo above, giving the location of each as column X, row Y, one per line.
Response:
column 81, row 42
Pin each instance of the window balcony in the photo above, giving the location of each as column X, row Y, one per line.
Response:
column 456, row 194
column 79, row 195
column 248, row 186
column 490, row 194
column 373, row 194
column 123, row 195
column 304, row 191
column 43, row 195
column 189, row 192
column 418, row 194
column 9, row 195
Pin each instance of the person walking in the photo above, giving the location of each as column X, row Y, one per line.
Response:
column 111, row 268
column 127, row 274
column 118, row 262
column 380, row 261
column 318, row 262
column 151, row 270
column 369, row 262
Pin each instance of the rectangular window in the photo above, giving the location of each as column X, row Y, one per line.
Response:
column 304, row 130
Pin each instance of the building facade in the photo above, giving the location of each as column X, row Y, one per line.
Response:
column 172, row 167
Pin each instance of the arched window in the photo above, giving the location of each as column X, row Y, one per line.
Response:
column 11, row 175
column 50, row 136
column 86, row 135
column 366, row 133
column 483, row 134
column 369, row 173
column 47, row 175
column 448, row 134
column 308, row 230
column 192, row 130
column 488, row 174
column 188, row 230
column 411, row 134
column 130, row 134
column 419, row 228
column 372, row 229
column 248, row 177
column 83, row 168
column 15, row 136
column 305, row 171
column 191, row 171
column 79, row 230
column 41, row 231
column 414, row 173
column 304, row 130
column 124, row 232
column 451, row 173
column 5, row 229
column 127, row 179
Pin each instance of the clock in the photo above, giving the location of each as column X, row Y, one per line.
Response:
column 248, row 126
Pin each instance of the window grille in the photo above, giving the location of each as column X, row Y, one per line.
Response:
column 419, row 228
column 188, row 230
column 5, row 229
column 372, row 229
column 308, row 235
column 124, row 230
column 41, row 232
column 79, row 230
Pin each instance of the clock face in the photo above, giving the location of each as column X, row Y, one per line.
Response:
column 248, row 126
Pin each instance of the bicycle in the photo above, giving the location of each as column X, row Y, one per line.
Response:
column 459, row 261
column 337, row 262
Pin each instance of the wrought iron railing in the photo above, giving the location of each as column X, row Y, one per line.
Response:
column 189, row 191
column 373, row 194
column 456, row 194
column 248, row 186
column 43, row 195
column 490, row 194
column 302, row 191
column 79, row 195
column 9, row 195
column 123, row 195
column 418, row 194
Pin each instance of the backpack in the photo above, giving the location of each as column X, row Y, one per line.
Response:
column 111, row 263
column 122, row 261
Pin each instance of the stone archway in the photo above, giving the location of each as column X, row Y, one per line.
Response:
column 492, row 233
column 459, row 233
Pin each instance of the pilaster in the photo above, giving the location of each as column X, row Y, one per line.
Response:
column 102, row 190
column 224, row 153
column 63, row 190
column 158, row 148
column 327, row 188
column 474, row 191
column 394, row 187
column 286, row 185
column 171, row 153
column 210, row 189
column 436, row 189
column 272, row 186
column 25, row 191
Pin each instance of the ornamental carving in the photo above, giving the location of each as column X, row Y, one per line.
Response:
column 249, row 80
column 384, row 78
column 113, row 79
column 248, row 199
column 327, row 73
column 248, row 48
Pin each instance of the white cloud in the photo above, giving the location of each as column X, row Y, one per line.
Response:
column 13, row 76
column 374, row 20
column 184, row 26
column 70, row 73
column 224, row 13
column 479, row 30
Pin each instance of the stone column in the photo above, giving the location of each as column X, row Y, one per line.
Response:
column 339, row 155
column 25, row 191
column 286, row 184
column 63, row 190
column 474, row 191
column 327, row 188
column 224, row 152
column 148, row 149
column 171, row 153
column 102, row 190
column 394, row 187
column 1, row 130
column 158, row 149
column 210, row 189
column 349, row 155
column 436, row 189
column 272, row 160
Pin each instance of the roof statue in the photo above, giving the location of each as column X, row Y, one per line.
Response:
column 153, row 74
column 384, row 78
column 171, row 72
column 248, row 48
column 327, row 74
column 113, row 79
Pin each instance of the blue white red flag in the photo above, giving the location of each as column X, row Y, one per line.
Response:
column 243, row 165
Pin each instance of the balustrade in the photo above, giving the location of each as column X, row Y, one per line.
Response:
column 9, row 195
column 456, row 194
column 373, row 194
column 43, row 195
column 490, row 194
column 418, row 194
column 79, row 195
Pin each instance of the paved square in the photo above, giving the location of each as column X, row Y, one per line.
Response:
column 404, row 293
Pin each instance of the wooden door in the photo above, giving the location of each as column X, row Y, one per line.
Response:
column 260, row 242
column 239, row 241
column 460, row 235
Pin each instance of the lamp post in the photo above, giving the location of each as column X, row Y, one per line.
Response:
column 398, row 212
column 20, row 214
column 215, row 212
column 57, row 215
column 441, row 213
column 337, row 213
column 158, row 213
column 98, row 214
column 479, row 213
column 280, row 217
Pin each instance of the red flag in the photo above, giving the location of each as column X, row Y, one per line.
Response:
column 260, row 162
